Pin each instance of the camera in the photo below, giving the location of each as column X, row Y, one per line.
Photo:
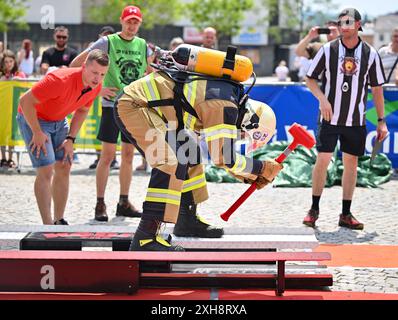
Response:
column 323, row 31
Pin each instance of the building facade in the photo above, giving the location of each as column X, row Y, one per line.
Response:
column 253, row 40
column 383, row 27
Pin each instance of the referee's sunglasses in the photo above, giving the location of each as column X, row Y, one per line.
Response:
column 346, row 23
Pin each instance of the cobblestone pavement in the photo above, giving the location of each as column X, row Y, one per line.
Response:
column 270, row 207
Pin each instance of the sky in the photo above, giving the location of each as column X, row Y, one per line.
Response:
column 373, row 8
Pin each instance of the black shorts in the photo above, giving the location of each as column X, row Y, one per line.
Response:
column 108, row 130
column 352, row 139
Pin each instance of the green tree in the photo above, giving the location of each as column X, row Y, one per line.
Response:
column 158, row 12
column 276, row 10
column 317, row 12
column 298, row 15
column 226, row 16
column 12, row 11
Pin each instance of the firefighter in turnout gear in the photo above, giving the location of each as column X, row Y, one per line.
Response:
column 162, row 114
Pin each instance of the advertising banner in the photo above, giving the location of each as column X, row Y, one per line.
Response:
column 295, row 103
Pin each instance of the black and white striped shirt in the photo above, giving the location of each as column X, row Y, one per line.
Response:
column 346, row 74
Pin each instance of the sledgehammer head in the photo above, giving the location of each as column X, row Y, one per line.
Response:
column 301, row 136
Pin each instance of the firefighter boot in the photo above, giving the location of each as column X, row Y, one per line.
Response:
column 147, row 238
column 189, row 224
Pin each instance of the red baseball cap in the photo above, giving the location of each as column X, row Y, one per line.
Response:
column 130, row 12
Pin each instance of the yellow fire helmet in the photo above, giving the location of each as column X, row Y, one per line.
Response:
column 259, row 124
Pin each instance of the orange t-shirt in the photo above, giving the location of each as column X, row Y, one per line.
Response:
column 62, row 92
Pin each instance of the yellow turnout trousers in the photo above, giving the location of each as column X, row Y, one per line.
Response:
column 171, row 181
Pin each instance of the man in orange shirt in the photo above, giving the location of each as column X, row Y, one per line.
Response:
column 42, row 121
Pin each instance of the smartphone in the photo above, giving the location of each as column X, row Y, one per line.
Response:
column 323, row 31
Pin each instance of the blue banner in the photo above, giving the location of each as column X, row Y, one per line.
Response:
column 295, row 103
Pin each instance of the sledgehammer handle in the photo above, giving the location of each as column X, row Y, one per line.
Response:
column 301, row 137
column 225, row 216
column 286, row 152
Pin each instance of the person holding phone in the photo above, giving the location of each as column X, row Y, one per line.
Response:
column 307, row 48
column 346, row 66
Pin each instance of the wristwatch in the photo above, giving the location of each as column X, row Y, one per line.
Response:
column 381, row 120
column 70, row 138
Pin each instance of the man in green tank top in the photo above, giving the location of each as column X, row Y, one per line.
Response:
column 129, row 59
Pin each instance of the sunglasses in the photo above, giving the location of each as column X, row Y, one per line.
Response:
column 348, row 22
column 62, row 37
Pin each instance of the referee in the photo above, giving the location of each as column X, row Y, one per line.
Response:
column 347, row 66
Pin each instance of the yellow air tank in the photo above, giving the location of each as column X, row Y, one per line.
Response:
column 211, row 62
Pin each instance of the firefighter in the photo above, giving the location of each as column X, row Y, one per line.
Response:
column 161, row 113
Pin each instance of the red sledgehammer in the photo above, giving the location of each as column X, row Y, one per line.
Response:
column 300, row 137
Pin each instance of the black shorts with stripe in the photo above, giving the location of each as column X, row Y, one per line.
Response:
column 352, row 139
column 108, row 130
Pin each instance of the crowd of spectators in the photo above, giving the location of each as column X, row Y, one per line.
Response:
column 24, row 64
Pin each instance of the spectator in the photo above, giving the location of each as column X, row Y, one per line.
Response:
column 308, row 49
column 25, row 58
column 9, row 71
column 175, row 42
column 9, row 67
column 105, row 31
column 282, row 71
column 347, row 66
column 60, row 55
column 209, row 38
column 42, row 121
column 129, row 60
column 389, row 57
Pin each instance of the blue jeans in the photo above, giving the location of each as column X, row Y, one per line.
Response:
column 56, row 132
